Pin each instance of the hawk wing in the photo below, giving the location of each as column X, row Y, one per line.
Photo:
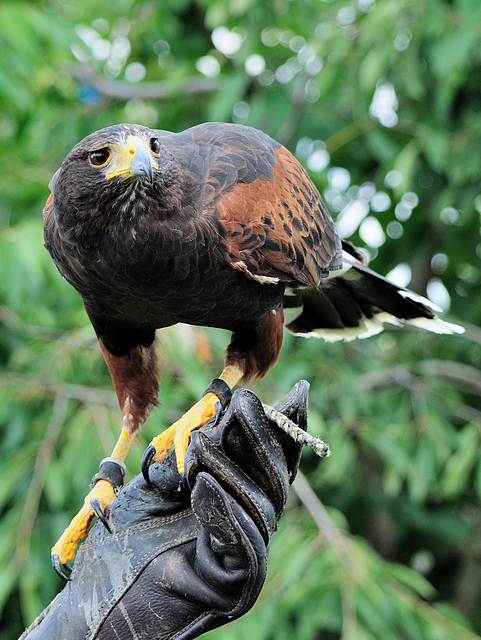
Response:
column 278, row 230
column 275, row 224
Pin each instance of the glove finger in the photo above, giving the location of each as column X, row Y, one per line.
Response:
column 231, row 553
column 294, row 406
column 260, row 459
column 203, row 456
column 250, row 441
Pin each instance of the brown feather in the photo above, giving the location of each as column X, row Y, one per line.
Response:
column 256, row 352
column 280, row 227
column 136, row 382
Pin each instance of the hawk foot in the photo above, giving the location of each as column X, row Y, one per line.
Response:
column 216, row 397
column 95, row 502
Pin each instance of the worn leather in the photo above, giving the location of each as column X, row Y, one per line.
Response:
column 189, row 553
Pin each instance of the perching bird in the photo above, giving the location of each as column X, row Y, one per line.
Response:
column 219, row 226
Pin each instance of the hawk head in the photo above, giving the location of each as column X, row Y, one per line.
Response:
column 121, row 170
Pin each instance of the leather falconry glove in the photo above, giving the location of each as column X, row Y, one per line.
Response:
column 186, row 554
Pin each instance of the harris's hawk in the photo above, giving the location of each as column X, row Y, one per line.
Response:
column 219, row 226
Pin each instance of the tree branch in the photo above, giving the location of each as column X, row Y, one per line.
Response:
column 462, row 376
column 317, row 510
column 86, row 395
column 148, row 90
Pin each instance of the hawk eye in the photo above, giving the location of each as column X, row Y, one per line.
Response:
column 155, row 145
column 99, row 157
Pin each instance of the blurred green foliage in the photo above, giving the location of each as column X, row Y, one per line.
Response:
column 380, row 99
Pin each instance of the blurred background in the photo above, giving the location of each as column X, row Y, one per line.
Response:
column 380, row 100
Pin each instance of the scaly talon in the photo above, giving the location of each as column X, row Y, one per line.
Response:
column 217, row 395
column 57, row 567
column 95, row 504
column 64, row 550
column 178, row 434
column 200, row 413
column 163, row 442
column 147, row 458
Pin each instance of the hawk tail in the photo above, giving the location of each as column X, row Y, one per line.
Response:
column 356, row 302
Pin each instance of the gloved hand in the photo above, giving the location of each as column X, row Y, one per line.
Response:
column 186, row 554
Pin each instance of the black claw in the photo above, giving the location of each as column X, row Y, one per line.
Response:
column 149, row 453
column 58, row 567
column 95, row 504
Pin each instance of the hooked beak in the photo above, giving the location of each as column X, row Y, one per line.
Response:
column 141, row 164
column 132, row 159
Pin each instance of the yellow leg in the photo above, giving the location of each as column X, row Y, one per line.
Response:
column 103, row 492
column 123, row 445
column 78, row 528
column 178, row 434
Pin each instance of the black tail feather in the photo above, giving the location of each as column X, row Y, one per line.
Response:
column 358, row 303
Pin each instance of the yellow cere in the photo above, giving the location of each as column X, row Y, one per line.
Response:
column 122, row 155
